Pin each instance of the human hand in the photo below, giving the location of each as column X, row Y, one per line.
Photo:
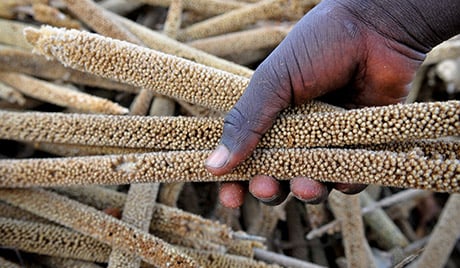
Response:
column 333, row 53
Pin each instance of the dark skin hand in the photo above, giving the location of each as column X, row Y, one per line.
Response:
column 352, row 53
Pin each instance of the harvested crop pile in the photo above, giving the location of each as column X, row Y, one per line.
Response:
column 109, row 108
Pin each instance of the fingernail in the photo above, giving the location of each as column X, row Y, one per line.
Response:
column 218, row 158
column 269, row 199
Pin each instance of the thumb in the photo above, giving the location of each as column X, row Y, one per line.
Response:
column 268, row 92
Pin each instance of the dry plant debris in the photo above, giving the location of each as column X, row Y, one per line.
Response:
column 444, row 236
column 175, row 94
column 60, row 95
column 98, row 225
column 208, row 7
column 347, row 210
column 35, row 65
column 232, row 43
column 51, row 240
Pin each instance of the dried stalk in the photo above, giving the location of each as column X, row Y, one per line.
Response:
column 443, row 237
column 35, row 65
column 141, row 102
column 8, row 211
column 221, row 260
column 96, row 224
column 250, row 57
column 187, row 242
column 8, row 264
column 316, row 215
column 51, row 240
column 173, row 19
column 60, row 95
column 335, row 165
column 283, row 260
column 100, row 20
column 168, row 45
column 447, row 50
column 233, row 20
column 138, row 212
column 52, row 16
column 367, row 126
column 347, row 210
column 295, row 230
column 385, row 202
column 330, row 228
column 162, row 106
column 265, row 221
column 65, row 263
column 387, row 233
column 169, row 193
column 11, row 95
column 396, row 198
column 12, row 33
column 165, row 220
column 199, row 111
column 233, row 43
column 120, row 6
column 207, row 7
column 94, row 196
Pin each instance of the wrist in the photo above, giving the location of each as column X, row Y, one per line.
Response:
column 418, row 24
